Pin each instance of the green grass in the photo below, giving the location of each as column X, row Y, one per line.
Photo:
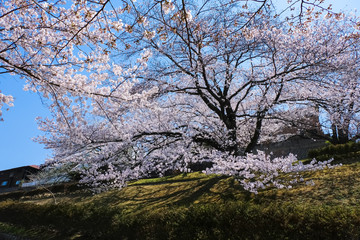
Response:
column 195, row 204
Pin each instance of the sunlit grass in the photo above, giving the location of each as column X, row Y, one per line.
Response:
column 339, row 185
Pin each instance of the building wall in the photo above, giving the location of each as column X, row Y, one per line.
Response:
column 297, row 145
column 12, row 178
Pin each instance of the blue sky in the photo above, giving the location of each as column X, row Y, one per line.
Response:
column 16, row 145
column 19, row 126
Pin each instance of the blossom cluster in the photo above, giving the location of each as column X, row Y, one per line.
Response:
column 5, row 99
column 261, row 170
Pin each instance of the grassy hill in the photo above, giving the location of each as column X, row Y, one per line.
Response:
column 192, row 206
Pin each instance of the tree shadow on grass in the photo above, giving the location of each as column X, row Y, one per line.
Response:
column 172, row 192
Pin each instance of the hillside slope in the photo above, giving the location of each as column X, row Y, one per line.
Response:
column 194, row 205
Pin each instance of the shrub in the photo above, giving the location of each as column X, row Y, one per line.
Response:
column 350, row 150
column 234, row 220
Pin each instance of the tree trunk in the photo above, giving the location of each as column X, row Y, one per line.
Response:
column 343, row 135
column 255, row 138
column 340, row 134
column 335, row 139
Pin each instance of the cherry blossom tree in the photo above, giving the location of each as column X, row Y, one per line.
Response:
column 341, row 108
column 145, row 87
column 44, row 39
column 336, row 96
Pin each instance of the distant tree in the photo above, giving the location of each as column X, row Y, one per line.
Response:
column 51, row 176
column 342, row 109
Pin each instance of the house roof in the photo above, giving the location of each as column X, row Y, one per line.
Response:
column 31, row 166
